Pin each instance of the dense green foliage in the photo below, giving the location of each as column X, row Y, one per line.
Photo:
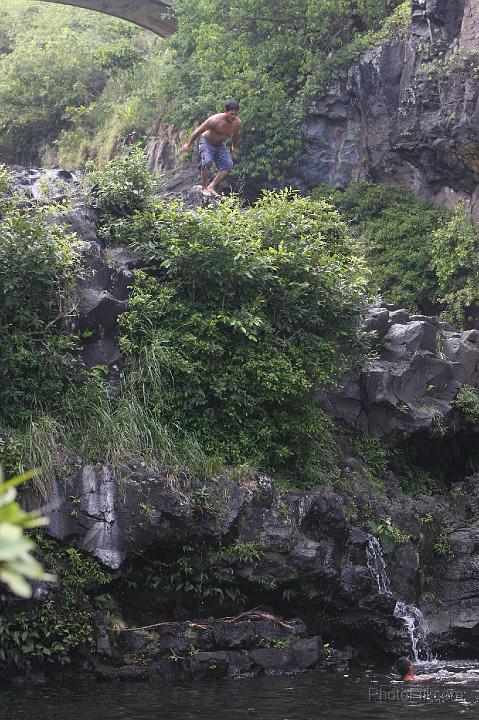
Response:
column 122, row 187
column 55, row 62
column 239, row 316
column 244, row 314
column 53, row 630
column 421, row 255
column 396, row 230
column 455, row 259
column 38, row 266
column 78, row 85
column 467, row 401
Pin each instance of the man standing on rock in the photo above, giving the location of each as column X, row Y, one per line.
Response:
column 214, row 132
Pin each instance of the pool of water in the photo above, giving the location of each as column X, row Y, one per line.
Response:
column 451, row 691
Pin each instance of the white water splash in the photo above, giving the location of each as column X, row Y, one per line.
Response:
column 413, row 619
column 417, row 628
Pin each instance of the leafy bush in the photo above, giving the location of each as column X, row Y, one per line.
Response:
column 467, row 400
column 442, row 546
column 122, row 186
column 375, row 456
column 455, row 258
column 5, row 179
column 55, row 628
column 396, row 230
column 60, row 65
column 422, row 256
column 242, row 314
column 389, row 534
column 38, row 266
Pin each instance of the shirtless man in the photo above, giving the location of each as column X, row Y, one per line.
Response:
column 405, row 669
column 214, row 131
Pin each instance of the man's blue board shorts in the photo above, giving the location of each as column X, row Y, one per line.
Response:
column 217, row 154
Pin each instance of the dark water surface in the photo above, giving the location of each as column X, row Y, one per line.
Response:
column 451, row 692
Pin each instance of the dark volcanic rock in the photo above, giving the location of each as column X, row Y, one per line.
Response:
column 102, row 289
column 111, row 517
column 453, row 607
column 406, row 113
column 284, row 551
column 422, row 364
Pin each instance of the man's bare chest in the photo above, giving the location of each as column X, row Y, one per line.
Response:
column 224, row 129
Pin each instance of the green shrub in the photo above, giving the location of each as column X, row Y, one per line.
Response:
column 389, row 533
column 442, row 546
column 422, row 256
column 409, row 469
column 242, row 314
column 52, row 630
column 467, row 401
column 455, row 253
column 123, row 186
column 38, row 266
column 59, row 67
column 375, row 456
column 6, row 179
column 396, row 229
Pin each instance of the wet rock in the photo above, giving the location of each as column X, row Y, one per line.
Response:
column 111, row 518
column 37, row 183
column 398, row 317
column 299, row 656
column 82, row 221
column 453, row 603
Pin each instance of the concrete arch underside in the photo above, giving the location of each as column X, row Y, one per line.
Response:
column 150, row 14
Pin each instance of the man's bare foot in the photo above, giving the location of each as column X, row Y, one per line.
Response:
column 206, row 192
column 213, row 192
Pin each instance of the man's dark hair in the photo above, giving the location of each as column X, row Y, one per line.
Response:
column 231, row 105
column 402, row 665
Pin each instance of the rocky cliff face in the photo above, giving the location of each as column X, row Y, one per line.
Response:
column 406, row 113
column 222, row 547
column 300, row 554
column 225, row 545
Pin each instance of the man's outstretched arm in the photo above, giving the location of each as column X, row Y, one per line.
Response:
column 199, row 130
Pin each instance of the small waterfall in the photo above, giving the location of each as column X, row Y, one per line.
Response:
column 377, row 565
column 417, row 627
column 414, row 621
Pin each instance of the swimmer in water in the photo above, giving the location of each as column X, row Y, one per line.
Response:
column 405, row 669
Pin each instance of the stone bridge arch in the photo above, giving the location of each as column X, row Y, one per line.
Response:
column 150, row 14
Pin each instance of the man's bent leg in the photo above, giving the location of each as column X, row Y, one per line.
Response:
column 216, row 181
column 207, row 154
column 205, row 175
column 224, row 165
